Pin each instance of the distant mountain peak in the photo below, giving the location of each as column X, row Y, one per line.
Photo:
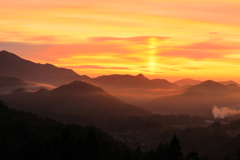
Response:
column 233, row 86
column 14, row 66
column 209, row 84
column 187, row 81
column 48, row 64
column 78, row 87
column 4, row 51
column 141, row 76
column 6, row 54
column 130, row 81
column 228, row 82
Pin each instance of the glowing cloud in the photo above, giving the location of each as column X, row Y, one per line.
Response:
column 195, row 38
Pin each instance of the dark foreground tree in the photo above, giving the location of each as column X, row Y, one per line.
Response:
column 175, row 151
column 193, row 155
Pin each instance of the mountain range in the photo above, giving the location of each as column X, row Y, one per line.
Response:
column 197, row 100
column 77, row 102
column 78, row 95
column 125, row 87
column 13, row 66
column 187, row 82
column 9, row 84
column 129, row 81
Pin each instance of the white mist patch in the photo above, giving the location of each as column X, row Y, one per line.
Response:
column 223, row 112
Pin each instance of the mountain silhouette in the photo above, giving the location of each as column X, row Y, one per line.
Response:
column 197, row 100
column 135, row 90
column 76, row 102
column 9, row 84
column 129, row 81
column 14, row 66
column 187, row 82
column 229, row 82
column 78, row 87
column 6, row 81
column 232, row 87
column 208, row 86
column 125, row 87
column 191, row 82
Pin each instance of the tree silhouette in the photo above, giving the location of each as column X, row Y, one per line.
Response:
column 193, row 155
column 4, row 144
column 175, row 149
column 162, row 151
column 137, row 154
column 91, row 147
column 238, row 153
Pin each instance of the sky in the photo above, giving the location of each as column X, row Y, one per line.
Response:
column 174, row 39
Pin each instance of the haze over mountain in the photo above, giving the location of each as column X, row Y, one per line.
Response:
column 14, row 66
column 9, row 84
column 132, row 89
column 192, row 82
column 197, row 100
column 135, row 90
column 129, row 81
column 75, row 102
column 229, row 82
column 187, row 81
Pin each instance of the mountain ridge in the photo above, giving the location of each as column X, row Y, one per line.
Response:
column 186, row 81
column 130, row 81
column 76, row 102
column 15, row 66
column 10, row 84
column 78, row 87
column 197, row 100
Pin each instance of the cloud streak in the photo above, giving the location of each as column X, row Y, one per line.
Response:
column 96, row 67
column 191, row 54
column 132, row 55
column 138, row 40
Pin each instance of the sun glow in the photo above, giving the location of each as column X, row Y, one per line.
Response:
column 153, row 48
column 159, row 38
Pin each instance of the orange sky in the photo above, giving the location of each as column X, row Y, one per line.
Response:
column 175, row 39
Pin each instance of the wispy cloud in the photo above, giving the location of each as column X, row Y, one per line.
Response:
column 171, row 69
column 191, row 54
column 210, row 46
column 137, row 39
column 96, row 67
column 191, row 68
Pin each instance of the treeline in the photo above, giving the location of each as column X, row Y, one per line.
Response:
column 26, row 136
column 215, row 140
column 155, row 122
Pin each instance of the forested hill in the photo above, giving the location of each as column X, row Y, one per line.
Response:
column 25, row 136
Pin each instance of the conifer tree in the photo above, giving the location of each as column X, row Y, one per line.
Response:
column 175, row 152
